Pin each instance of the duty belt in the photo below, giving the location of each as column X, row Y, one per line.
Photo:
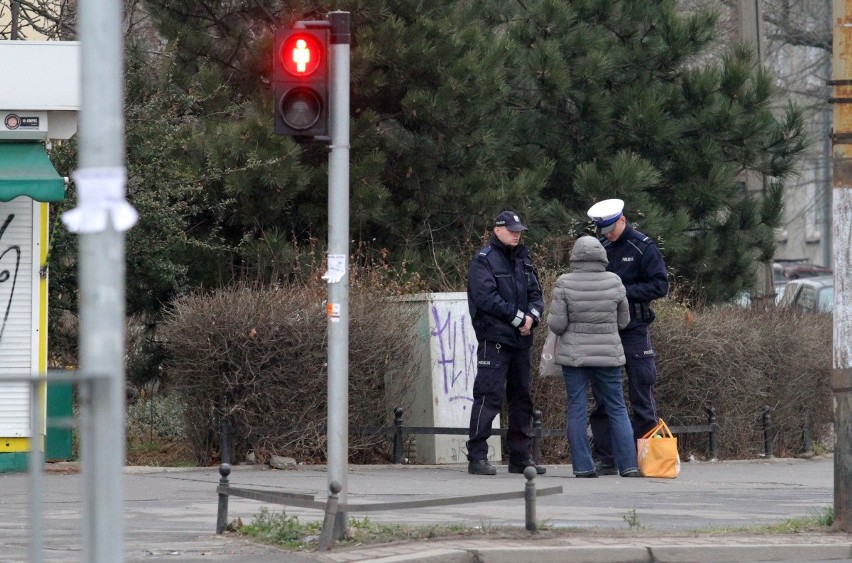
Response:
column 641, row 311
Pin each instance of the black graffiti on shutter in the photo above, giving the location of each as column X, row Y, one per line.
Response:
column 6, row 275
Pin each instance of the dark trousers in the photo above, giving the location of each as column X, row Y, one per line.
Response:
column 641, row 376
column 502, row 372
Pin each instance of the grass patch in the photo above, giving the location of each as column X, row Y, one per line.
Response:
column 632, row 520
column 278, row 528
column 156, row 434
column 817, row 521
column 159, row 452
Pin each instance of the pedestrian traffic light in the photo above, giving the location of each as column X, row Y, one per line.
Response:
column 300, row 83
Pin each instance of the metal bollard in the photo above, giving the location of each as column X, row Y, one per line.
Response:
column 713, row 439
column 767, row 432
column 326, row 539
column 537, row 435
column 397, row 435
column 806, row 438
column 224, row 472
column 529, row 498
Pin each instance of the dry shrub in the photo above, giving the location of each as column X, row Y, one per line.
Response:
column 258, row 356
column 734, row 360
column 738, row 361
column 549, row 392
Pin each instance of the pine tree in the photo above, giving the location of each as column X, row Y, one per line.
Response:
column 436, row 149
column 627, row 108
column 463, row 108
column 433, row 133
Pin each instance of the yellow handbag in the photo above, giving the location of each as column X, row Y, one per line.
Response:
column 657, row 453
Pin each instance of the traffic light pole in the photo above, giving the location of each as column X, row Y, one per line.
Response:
column 338, row 258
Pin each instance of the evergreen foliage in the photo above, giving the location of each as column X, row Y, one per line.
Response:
column 625, row 109
column 459, row 109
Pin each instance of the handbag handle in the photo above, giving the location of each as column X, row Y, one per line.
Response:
column 662, row 428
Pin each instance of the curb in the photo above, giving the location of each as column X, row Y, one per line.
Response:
column 638, row 553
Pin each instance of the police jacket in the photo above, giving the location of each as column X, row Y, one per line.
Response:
column 502, row 288
column 588, row 308
column 639, row 263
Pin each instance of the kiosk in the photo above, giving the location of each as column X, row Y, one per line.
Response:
column 39, row 99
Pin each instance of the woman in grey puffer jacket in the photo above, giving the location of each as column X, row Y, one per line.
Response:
column 589, row 307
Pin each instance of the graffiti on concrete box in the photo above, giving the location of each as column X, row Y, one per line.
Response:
column 456, row 347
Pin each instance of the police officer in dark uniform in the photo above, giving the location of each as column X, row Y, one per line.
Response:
column 505, row 301
column 639, row 263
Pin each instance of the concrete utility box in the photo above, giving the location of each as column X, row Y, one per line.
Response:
column 443, row 385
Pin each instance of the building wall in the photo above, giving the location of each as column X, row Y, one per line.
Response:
column 795, row 38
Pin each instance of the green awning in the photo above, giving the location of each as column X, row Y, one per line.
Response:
column 26, row 170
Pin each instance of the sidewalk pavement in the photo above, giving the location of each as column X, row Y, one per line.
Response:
column 170, row 514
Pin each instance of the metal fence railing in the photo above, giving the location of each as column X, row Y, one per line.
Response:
column 331, row 506
column 399, row 431
column 89, row 386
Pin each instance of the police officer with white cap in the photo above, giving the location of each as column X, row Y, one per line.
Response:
column 639, row 263
column 505, row 302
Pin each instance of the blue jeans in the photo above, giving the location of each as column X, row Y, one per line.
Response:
column 607, row 386
column 641, row 377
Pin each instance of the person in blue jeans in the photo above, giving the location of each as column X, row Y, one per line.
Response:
column 588, row 308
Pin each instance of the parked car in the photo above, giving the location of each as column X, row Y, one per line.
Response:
column 810, row 294
column 784, row 271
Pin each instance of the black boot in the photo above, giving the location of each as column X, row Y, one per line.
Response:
column 519, row 467
column 481, row 467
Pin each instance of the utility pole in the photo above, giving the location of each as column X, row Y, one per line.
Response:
column 825, row 185
column 16, row 17
column 750, row 21
column 841, row 376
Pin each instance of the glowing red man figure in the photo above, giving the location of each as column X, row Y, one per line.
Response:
column 301, row 55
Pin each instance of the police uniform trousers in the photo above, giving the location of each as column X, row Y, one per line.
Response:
column 503, row 371
column 641, row 375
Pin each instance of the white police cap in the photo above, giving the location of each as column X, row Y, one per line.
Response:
column 605, row 214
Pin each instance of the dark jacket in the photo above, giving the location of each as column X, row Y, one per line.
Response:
column 503, row 287
column 639, row 263
column 588, row 308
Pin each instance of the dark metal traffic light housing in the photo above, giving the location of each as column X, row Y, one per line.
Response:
column 300, row 63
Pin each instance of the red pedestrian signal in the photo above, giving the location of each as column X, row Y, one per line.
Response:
column 300, row 83
column 301, row 54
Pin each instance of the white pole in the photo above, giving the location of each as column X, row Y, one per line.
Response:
column 338, row 251
column 101, row 283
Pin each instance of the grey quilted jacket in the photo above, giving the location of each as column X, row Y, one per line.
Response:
column 589, row 307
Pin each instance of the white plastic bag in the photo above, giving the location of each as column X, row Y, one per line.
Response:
column 547, row 366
